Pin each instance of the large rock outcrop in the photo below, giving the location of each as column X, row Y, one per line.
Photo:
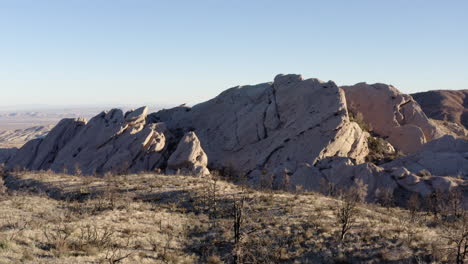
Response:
column 445, row 105
column 284, row 134
column 111, row 141
column 260, row 129
column 392, row 115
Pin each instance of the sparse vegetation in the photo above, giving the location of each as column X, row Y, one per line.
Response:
column 359, row 119
column 149, row 218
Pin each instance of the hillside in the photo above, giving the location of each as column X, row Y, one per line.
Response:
column 151, row 218
column 18, row 137
column 445, row 105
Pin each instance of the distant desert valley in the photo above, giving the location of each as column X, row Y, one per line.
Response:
column 295, row 170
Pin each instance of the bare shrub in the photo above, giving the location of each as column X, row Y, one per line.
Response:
column 414, row 205
column 456, row 233
column 359, row 119
column 91, row 236
column 58, row 239
column 238, row 219
column 384, row 197
column 328, row 188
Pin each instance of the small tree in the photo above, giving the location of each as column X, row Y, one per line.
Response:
column 2, row 175
column 238, row 208
column 346, row 211
column 434, row 203
column 414, row 205
column 385, row 197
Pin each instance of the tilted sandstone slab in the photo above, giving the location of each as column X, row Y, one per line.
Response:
column 110, row 141
column 40, row 153
column 189, row 156
column 268, row 127
column 392, row 115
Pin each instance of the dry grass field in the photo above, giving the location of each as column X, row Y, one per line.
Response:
column 151, row 218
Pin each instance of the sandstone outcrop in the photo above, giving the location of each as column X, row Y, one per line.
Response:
column 40, row 153
column 108, row 142
column 189, row 157
column 392, row 115
column 287, row 134
column 271, row 127
column 440, row 166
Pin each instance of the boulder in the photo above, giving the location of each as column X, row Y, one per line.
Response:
column 189, row 156
column 392, row 115
column 136, row 118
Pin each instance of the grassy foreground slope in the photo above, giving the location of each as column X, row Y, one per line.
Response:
column 149, row 218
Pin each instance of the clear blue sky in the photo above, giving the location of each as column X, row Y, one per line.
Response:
column 170, row 52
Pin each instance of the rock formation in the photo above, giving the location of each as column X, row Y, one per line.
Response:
column 40, row 153
column 441, row 165
column 445, row 105
column 392, row 115
column 189, row 156
column 269, row 127
column 288, row 134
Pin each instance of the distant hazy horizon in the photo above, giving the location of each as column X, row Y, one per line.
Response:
column 110, row 53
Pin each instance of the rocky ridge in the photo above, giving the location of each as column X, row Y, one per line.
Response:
column 287, row 134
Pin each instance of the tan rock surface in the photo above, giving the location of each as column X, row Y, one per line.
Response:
column 392, row 115
column 189, row 156
column 271, row 126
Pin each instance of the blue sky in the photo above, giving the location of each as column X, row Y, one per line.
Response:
column 171, row 52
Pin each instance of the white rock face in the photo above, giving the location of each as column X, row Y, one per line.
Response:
column 392, row 114
column 189, row 156
column 272, row 127
column 108, row 142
